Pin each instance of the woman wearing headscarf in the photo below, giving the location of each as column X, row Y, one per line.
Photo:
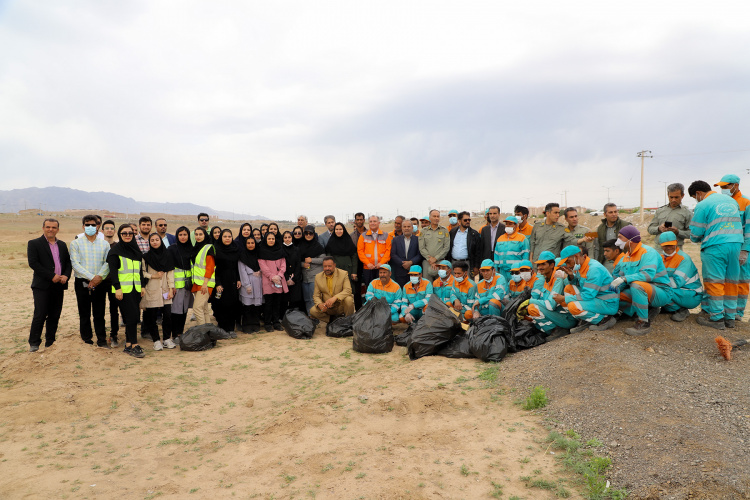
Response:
column 124, row 260
column 263, row 230
column 343, row 250
column 274, row 228
column 293, row 274
column 257, row 237
column 272, row 267
column 246, row 231
column 204, row 264
column 297, row 238
column 251, row 292
column 215, row 234
column 182, row 254
column 158, row 269
column 311, row 254
column 226, row 300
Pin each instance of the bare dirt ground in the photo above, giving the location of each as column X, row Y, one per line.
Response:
column 267, row 416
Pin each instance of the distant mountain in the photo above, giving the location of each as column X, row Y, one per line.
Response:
column 60, row 199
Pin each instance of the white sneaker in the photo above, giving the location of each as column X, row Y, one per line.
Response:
column 169, row 344
column 158, row 346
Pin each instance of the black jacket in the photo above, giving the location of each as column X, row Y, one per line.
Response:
column 602, row 234
column 473, row 245
column 41, row 261
column 488, row 247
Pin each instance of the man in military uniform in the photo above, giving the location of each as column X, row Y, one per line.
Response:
column 575, row 234
column 434, row 245
column 674, row 217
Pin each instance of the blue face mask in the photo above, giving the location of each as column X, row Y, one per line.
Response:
column 516, row 278
column 453, row 220
column 415, row 228
column 414, row 280
column 90, row 230
column 442, row 273
column 727, row 192
column 576, row 268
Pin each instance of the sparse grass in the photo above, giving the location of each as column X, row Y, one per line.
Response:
column 537, row 399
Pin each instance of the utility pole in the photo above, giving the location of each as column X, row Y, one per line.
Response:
column 566, row 198
column 608, row 188
column 665, row 191
column 642, row 155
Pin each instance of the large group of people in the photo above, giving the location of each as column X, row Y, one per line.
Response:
column 578, row 278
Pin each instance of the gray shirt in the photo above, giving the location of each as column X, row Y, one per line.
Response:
column 679, row 217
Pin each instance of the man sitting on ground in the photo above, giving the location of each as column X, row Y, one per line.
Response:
column 549, row 316
column 416, row 293
column 385, row 288
column 522, row 277
column 442, row 286
column 491, row 290
column 464, row 291
column 612, row 256
column 333, row 293
column 684, row 280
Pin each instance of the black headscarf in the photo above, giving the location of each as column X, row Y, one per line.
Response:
column 126, row 250
column 181, row 252
column 261, row 230
column 301, row 238
column 226, row 255
column 200, row 244
column 274, row 252
column 211, row 234
column 340, row 245
column 250, row 257
column 259, row 241
column 158, row 259
column 240, row 240
column 311, row 248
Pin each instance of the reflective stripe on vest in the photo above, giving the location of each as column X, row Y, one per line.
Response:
column 199, row 268
column 181, row 277
column 128, row 275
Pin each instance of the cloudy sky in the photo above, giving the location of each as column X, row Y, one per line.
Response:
column 336, row 106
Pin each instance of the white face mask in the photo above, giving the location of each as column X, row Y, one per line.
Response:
column 526, row 276
column 560, row 274
column 287, row 244
column 414, row 280
column 509, row 230
column 459, row 279
column 620, row 244
column 670, row 254
column 442, row 273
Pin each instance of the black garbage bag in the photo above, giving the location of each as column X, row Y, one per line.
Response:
column 402, row 339
column 340, row 327
column 298, row 325
column 437, row 326
column 202, row 337
column 371, row 328
column 459, row 347
column 488, row 338
column 524, row 335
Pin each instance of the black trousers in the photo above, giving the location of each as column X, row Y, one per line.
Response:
column 47, row 308
column 131, row 314
column 250, row 317
column 272, row 308
column 91, row 301
column 149, row 322
column 178, row 324
column 114, row 313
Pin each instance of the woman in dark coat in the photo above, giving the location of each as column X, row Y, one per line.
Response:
column 293, row 275
column 226, row 299
column 341, row 247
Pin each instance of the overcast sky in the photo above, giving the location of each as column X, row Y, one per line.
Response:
column 279, row 108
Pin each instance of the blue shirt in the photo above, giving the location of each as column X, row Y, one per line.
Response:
column 460, row 250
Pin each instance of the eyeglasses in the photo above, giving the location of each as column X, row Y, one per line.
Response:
column 128, row 233
column 297, row 234
column 515, row 272
column 161, row 225
column 203, row 220
column 308, row 234
column 466, row 220
column 89, row 225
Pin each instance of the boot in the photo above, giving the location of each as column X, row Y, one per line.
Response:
column 640, row 328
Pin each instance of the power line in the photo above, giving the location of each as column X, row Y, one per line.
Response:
column 706, row 153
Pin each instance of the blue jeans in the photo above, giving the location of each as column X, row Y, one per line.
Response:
column 307, row 294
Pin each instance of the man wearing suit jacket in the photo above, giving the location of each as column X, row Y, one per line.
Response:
column 49, row 259
column 491, row 232
column 466, row 243
column 404, row 254
column 161, row 230
column 332, row 294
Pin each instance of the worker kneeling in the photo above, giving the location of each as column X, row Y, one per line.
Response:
column 641, row 280
column 333, row 293
column 491, row 290
column 442, row 286
column 463, row 292
column 385, row 288
column 684, row 280
column 587, row 297
column 549, row 316
column 416, row 293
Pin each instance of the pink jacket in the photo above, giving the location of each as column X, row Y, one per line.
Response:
column 270, row 268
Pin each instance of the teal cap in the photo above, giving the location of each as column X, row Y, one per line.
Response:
column 445, row 263
column 524, row 263
column 667, row 238
column 386, row 266
column 545, row 256
column 568, row 251
column 415, row 270
column 453, row 211
column 513, row 218
column 487, row 264
column 728, row 179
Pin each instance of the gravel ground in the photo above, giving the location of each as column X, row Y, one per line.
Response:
column 673, row 415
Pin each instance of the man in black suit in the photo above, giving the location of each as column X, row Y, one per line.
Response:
column 49, row 259
column 404, row 254
column 466, row 243
column 491, row 232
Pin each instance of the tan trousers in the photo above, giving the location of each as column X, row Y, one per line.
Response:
column 201, row 308
column 345, row 308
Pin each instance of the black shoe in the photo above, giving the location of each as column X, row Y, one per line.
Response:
column 255, row 328
column 653, row 312
column 681, row 315
column 605, row 324
column 33, row 348
column 557, row 333
column 137, row 352
column 640, row 328
column 103, row 346
column 269, row 328
column 729, row 323
column 703, row 321
column 89, row 342
column 581, row 326
column 127, row 349
column 277, row 326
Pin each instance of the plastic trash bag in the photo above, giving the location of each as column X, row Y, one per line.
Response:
column 523, row 333
column 296, row 324
column 202, row 337
column 437, row 326
column 488, row 338
column 459, row 347
column 403, row 338
column 372, row 329
column 340, row 327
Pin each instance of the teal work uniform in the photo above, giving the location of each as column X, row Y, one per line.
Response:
column 646, row 282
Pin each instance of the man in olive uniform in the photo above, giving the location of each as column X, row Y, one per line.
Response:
column 548, row 235
column 434, row 245
column 575, row 234
column 674, row 217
